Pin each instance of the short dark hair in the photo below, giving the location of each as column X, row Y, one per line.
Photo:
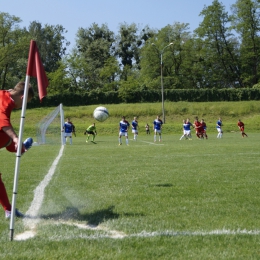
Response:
column 19, row 88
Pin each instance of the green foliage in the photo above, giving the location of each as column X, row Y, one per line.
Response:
column 59, row 82
column 246, row 22
column 223, row 52
column 129, row 94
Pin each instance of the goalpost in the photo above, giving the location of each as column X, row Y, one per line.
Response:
column 49, row 129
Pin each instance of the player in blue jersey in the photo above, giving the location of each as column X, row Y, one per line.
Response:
column 183, row 127
column 123, row 130
column 157, row 127
column 135, row 128
column 186, row 129
column 219, row 128
column 68, row 129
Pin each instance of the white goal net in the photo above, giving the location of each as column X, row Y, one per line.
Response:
column 48, row 130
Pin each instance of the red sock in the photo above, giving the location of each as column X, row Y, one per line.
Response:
column 4, row 201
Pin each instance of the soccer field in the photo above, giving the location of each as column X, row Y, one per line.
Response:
column 195, row 199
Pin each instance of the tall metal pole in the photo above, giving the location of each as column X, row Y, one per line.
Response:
column 162, row 89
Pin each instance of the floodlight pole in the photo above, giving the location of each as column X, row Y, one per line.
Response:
column 162, row 87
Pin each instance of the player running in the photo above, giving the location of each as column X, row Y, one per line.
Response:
column 157, row 127
column 135, row 128
column 219, row 128
column 186, row 129
column 123, row 130
column 198, row 127
column 204, row 128
column 241, row 127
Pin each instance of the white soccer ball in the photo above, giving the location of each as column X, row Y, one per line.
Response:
column 101, row 114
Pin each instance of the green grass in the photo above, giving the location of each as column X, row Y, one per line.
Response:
column 175, row 112
column 159, row 198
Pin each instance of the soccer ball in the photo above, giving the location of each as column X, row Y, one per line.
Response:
column 101, row 114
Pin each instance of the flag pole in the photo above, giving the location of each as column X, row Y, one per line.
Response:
column 34, row 69
column 18, row 156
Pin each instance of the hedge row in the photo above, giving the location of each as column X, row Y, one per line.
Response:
column 144, row 95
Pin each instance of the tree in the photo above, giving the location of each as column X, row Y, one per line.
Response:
column 246, row 21
column 130, row 40
column 170, row 42
column 51, row 43
column 222, row 67
column 13, row 50
column 89, row 61
column 59, row 80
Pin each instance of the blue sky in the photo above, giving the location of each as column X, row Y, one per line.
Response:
column 73, row 14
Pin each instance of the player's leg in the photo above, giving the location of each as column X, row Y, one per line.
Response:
column 218, row 136
column 154, row 137
column 160, row 137
column 120, row 139
column 70, row 139
column 4, row 201
column 126, row 138
column 182, row 135
column 87, row 136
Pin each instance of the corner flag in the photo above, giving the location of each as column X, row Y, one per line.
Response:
column 34, row 69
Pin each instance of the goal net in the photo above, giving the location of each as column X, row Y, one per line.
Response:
column 48, row 130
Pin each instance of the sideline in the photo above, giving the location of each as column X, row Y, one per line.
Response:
column 150, row 143
column 30, row 220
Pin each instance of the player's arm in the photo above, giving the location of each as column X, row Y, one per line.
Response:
column 11, row 133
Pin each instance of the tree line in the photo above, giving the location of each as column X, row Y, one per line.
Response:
column 223, row 52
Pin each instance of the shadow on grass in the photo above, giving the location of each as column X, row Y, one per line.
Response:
column 165, row 185
column 94, row 218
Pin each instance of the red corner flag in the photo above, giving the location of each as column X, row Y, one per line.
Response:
column 35, row 69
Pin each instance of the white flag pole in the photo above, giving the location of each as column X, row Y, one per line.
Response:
column 18, row 156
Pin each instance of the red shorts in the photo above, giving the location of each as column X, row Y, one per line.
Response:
column 7, row 142
column 242, row 129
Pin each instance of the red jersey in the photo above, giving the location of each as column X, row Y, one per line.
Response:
column 198, row 126
column 240, row 124
column 6, row 106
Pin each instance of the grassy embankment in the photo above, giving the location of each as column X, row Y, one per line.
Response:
column 81, row 116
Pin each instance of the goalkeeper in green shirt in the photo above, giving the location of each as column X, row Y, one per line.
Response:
column 91, row 130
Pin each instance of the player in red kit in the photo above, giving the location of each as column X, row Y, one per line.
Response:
column 10, row 100
column 204, row 127
column 241, row 127
column 198, row 128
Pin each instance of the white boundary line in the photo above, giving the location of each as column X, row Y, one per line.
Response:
column 150, row 143
column 104, row 232
column 30, row 221
column 144, row 234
